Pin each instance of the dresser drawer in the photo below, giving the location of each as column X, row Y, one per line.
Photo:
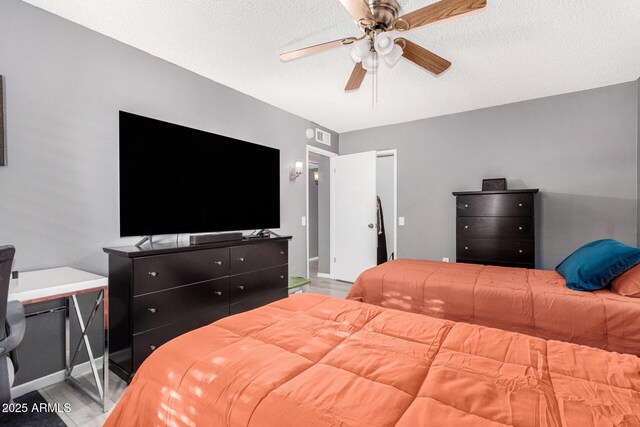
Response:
column 513, row 251
column 257, row 257
column 258, row 301
column 247, row 285
column 495, row 205
column 161, row 308
column 529, row 265
column 159, row 272
column 145, row 343
column 495, row 227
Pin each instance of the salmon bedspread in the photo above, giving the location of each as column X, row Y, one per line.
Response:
column 313, row 360
column 534, row 302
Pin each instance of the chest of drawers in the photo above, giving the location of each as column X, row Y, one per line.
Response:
column 496, row 227
column 160, row 293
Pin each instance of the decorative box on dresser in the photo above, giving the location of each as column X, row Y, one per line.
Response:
column 496, row 227
column 158, row 293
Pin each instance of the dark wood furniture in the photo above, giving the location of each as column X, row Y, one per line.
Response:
column 3, row 150
column 496, row 227
column 160, row 292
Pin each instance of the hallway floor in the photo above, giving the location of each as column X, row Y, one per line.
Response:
column 324, row 286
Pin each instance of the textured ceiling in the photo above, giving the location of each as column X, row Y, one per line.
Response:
column 511, row 51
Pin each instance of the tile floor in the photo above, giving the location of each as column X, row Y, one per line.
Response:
column 86, row 413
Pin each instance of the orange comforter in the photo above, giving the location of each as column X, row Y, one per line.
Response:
column 535, row 302
column 312, row 360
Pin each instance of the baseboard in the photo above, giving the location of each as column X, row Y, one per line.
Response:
column 56, row 377
column 324, row 275
column 315, row 258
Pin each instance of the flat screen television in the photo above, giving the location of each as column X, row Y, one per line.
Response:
column 175, row 179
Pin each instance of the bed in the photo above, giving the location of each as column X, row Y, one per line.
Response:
column 535, row 302
column 312, row 360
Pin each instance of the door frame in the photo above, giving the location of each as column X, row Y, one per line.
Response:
column 325, row 153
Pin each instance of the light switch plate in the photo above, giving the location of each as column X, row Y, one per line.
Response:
column 401, row 220
column 304, row 221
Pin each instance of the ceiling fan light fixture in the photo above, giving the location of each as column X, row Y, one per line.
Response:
column 383, row 44
column 361, row 50
column 379, row 22
column 394, row 56
column 371, row 62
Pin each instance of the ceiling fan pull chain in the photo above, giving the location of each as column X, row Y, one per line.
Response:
column 374, row 82
column 375, row 90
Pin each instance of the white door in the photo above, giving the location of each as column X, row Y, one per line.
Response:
column 353, row 215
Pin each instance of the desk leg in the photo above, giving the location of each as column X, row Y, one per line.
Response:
column 67, row 337
column 103, row 388
column 105, row 357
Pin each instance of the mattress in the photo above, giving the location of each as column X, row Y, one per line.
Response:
column 534, row 302
column 312, row 360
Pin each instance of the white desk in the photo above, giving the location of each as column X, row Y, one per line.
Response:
column 45, row 285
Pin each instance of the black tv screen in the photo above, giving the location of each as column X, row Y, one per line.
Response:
column 175, row 179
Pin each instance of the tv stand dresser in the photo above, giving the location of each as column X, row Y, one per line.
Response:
column 159, row 292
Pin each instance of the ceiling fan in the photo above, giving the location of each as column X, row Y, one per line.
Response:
column 377, row 18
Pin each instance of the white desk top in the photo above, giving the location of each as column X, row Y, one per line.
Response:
column 41, row 285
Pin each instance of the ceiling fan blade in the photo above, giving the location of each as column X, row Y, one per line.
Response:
column 422, row 57
column 311, row 50
column 439, row 11
column 357, row 76
column 359, row 10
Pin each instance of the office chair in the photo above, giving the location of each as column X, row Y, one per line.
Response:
column 12, row 326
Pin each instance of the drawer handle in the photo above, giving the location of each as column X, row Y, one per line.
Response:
column 218, row 293
column 520, row 251
column 153, row 310
column 281, row 252
column 282, row 277
column 466, row 206
column 519, row 228
column 218, row 262
column 466, row 248
column 241, row 287
column 241, row 259
column 153, row 273
column 466, row 226
column 520, row 204
column 152, row 347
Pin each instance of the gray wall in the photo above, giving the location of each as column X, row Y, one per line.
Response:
column 324, row 215
column 385, row 190
column 64, row 86
column 313, row 214
column 579, row 149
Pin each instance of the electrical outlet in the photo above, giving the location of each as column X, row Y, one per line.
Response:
column 304, row 221
column 401, row 221
column 445, row 259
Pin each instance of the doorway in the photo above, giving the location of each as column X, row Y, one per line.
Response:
column 318, row 224
column 386, row 189
column 381, row 170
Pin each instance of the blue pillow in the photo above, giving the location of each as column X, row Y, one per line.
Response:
column 596, row 264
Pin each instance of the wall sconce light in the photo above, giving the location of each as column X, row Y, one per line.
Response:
column 316, row 175
column 296, row 170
